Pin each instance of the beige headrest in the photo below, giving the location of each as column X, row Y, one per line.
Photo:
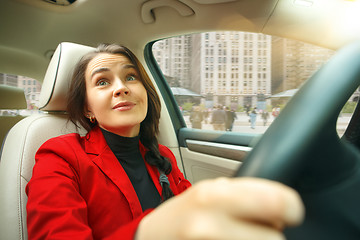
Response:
column 12, row 98
column 58, row 75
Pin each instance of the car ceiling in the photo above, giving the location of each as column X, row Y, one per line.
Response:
column 31, row 30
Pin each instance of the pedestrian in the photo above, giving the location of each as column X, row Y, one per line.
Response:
column 275, row 111
column 230, row 118
column 265, row 116
column 218, row 118
column 205, row 115
column 252, row 116
column 247, row 109
column 196, row 117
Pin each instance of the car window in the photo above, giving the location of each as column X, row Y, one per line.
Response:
column 31, row 89
column 238, row 81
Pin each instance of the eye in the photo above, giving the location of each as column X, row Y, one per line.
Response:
column 131, row 78
column 102, row 82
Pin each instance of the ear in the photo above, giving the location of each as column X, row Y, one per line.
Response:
column 87, row 112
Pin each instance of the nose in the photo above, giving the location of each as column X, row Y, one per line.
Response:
column 120, row 88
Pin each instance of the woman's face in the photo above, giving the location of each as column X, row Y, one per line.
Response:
column 115, row 95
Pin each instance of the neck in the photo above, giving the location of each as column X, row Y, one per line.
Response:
column 124, row 132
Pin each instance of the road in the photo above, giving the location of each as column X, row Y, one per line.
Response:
column 242, row 124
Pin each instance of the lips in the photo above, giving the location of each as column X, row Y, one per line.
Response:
column 123, row 106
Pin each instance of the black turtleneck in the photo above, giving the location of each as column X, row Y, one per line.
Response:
column 127, row 151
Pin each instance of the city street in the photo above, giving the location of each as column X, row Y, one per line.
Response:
column 242, row 124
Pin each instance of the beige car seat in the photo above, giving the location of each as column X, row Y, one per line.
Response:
column 23, row 140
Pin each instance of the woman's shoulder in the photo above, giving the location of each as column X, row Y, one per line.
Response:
column 164, row 149
column 66, row 137
column 67, row 148
column 166, row 152
column 69, row 140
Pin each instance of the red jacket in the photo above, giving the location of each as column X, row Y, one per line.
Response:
column 79, row 190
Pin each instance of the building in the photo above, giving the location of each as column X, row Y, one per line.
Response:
column 229, row 68
column 31, row 87
column 8, row 79
column 173, row 57
column 238, row 68
column 294, row 62
column 235, row 67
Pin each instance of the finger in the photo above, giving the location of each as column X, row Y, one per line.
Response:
column 202, row 226
column 257, row 200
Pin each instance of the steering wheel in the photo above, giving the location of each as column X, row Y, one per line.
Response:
column 303, row 150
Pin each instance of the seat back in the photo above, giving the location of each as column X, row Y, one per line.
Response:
column 23, row 140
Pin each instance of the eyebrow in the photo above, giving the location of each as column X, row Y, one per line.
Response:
column 126, row 66
column 105, row 69
column 99, row 70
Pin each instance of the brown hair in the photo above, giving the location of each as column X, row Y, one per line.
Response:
column 149, row 127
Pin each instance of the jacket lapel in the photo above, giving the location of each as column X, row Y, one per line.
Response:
column 100, row 153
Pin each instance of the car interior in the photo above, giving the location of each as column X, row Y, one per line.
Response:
column 43, row 39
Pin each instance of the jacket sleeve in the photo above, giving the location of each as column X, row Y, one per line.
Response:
column 55, row 207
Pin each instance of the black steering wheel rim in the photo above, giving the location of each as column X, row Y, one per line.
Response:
column 303, row 150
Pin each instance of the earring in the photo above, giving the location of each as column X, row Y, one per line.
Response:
column 91, row 118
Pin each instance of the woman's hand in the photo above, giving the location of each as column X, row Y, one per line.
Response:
column 236, row 208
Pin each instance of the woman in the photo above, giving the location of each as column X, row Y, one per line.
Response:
column 107, row 184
